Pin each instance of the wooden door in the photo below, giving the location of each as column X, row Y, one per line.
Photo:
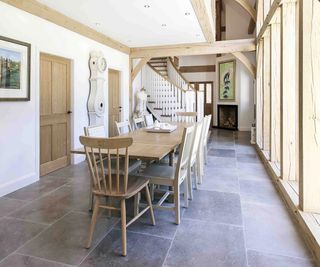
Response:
column 54, row 113
column 114, row 100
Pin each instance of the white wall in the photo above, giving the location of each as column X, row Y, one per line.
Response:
column 244, row 94
column 19, row 121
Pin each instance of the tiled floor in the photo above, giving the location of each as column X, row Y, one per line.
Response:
column 236, row 219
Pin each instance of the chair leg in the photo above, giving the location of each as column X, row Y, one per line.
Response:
column 123, row 227
column 185, row 193
column 189, row 178
column 176, row 193
column 150, row 205
column 152, row 192
column 205, row 153
column 93, row 222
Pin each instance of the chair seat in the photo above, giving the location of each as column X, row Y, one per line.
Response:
column 134, row 165
column 135, row 185
column 161, row 174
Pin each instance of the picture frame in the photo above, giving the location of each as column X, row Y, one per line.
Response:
column 227, row 80
column 14, row 70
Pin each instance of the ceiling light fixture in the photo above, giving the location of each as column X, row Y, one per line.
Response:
column 146, row 6
column 164, row 25
column 97, row 24
column 187, row 13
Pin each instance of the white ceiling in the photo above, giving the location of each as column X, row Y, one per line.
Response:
column 129, row 22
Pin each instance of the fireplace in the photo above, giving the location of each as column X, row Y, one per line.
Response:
column 228, row 117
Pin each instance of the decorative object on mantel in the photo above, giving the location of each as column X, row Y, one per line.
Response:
column 227, row 91
column 96, row 99
column 14, row 70
column 161, row 128
column 141, row 104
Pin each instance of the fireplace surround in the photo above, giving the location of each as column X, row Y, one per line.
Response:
column 228, row 117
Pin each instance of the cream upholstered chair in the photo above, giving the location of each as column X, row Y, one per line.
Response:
column 160, row 174
column 123, row 127
column 186, row 116
column 139, row 123
column 116, row 185
column 149, row 120
column 193, row 158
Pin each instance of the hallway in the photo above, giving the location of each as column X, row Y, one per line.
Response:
column 236, row 219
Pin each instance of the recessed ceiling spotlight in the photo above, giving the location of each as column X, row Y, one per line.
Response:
column 146, row 6
column 97, row 24
column 164, row 25
column 187, row 13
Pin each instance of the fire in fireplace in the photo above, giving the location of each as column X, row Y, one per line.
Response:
column 228, row 117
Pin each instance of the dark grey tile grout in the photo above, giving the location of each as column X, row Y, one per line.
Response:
column 35, row 257
column 213, row 222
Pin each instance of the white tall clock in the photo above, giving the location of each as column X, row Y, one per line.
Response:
column 96, row 100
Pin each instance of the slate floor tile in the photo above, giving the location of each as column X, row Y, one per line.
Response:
column 219, row 162
column 270, row 229
column 8, row 205
column 222, row 182
column 224, row 153
column 259, row 191
column 208, row 244
column 259, row 259
column 142, row 250
column 211, row 206
column 248, row 171
column 65, row 240
column 17, row 260
column 14, row 233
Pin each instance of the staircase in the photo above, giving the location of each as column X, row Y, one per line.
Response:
column 168, row 91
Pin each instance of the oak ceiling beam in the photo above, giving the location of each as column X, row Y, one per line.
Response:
column 203, row 17
column 35, row 8
column 246, row 62
column 219, row 47
column 249, row 8
column 138, row 67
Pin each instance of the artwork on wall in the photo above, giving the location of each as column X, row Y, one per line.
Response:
column 227, row 71
column 14, row 70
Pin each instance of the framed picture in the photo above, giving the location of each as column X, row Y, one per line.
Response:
column 227, row 90
column 14, row 70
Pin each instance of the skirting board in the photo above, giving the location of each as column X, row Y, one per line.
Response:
column 18, row 183
column 244, row 129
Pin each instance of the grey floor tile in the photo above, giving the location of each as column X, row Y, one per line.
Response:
column 248, row 158
column 259, row 259
column 270, row 229
column 18, row 260
column 225, row 153
column 216, row 180
column 215, row 207
column 245, row 148
column 142, row 250
column 8, row 205
column 259, row 191
column 54, row 205
column 14, row 233
column 207, row 244
column 65, row 240
column 248, row 171
column 218, row 162
column 38, row 189
column 223, row 144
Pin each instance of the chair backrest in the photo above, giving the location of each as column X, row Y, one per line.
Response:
column 139, row 123
column 95, row 131
column 104, row 182
column 186, row 116
column 123, row 127
column 184, row 151
column 149, row 120
column 196, row 141
column 206, row 129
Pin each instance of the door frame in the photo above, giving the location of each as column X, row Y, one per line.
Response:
column 70, row 129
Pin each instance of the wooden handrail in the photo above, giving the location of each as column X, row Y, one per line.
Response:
column 166, row 78
column 181, row 75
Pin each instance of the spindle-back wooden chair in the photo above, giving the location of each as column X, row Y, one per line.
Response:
column 117, row 185
column 123, row 127
column 139, row 123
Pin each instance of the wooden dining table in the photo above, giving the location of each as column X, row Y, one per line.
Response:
column 149, row 145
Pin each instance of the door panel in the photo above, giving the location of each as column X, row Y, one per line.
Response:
column 114, row 100
column 54, row 117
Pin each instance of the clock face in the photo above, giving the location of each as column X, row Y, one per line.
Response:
column 102, row 64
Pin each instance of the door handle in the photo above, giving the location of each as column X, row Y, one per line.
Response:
column 69, row 111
